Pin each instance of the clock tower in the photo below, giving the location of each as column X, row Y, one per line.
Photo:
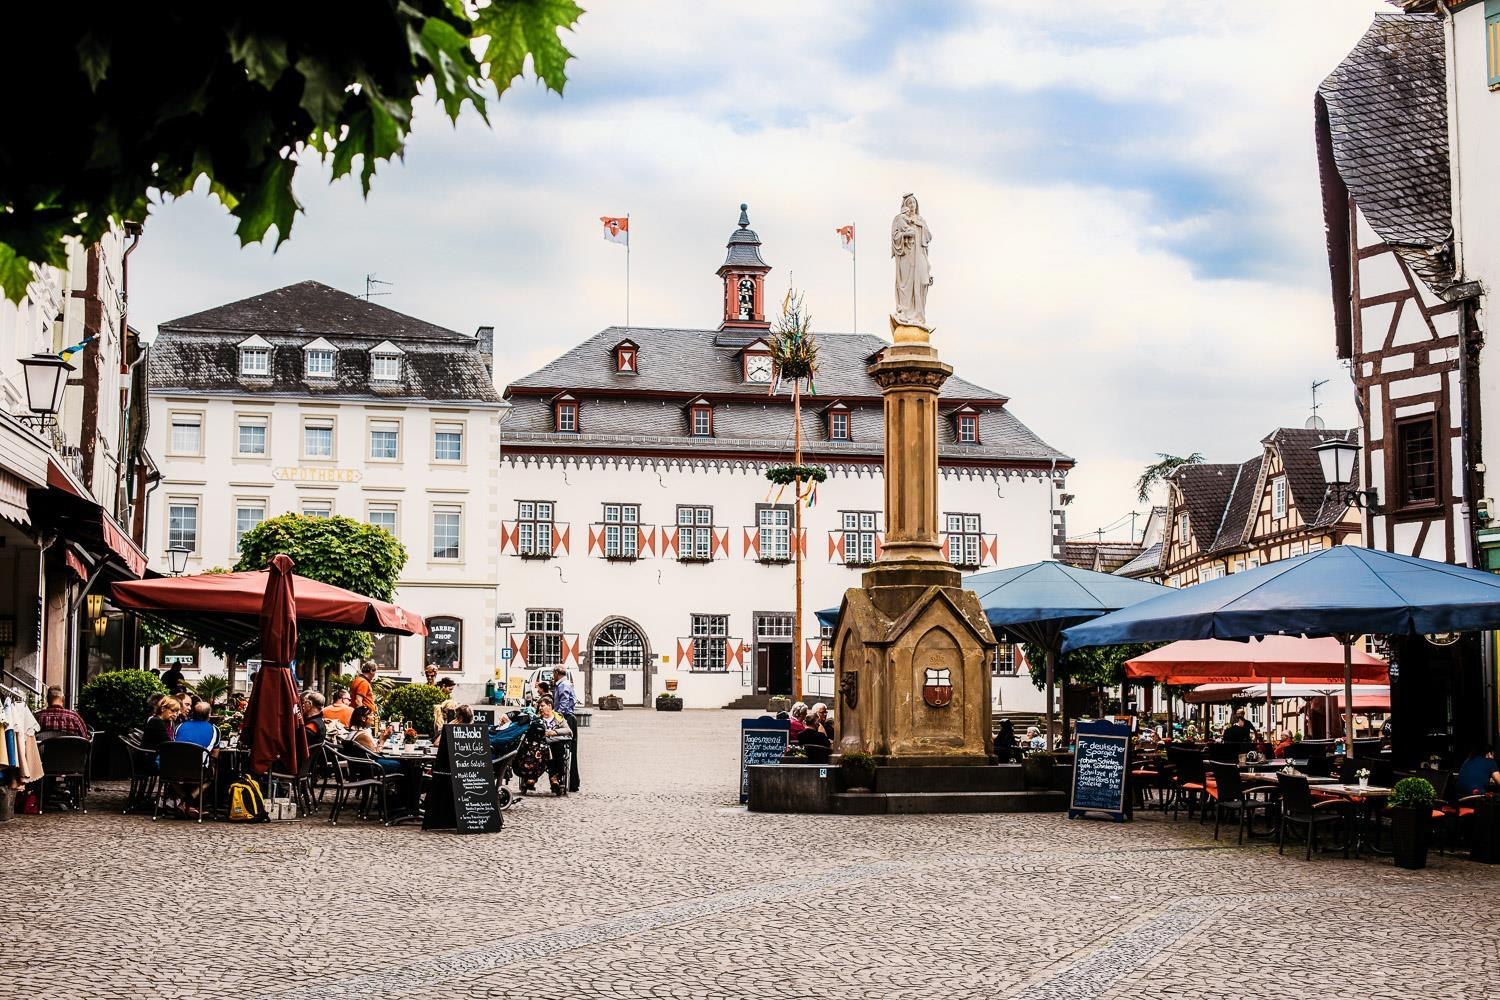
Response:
column 744, row 275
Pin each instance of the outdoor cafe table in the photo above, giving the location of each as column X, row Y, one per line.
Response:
column 1369, row 797
column 414, row 764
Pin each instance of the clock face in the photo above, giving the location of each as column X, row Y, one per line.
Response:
column 758, row 368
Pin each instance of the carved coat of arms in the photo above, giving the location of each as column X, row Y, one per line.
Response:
column 849, row 688
column 937, row 687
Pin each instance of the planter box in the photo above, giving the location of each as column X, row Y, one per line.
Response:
column 1411, row 833
column 669, row 704
column 799, row 788
column 1038, row 771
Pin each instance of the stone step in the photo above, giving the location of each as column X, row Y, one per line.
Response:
column 1000, row 778
column 911, row 803
column 748, row 703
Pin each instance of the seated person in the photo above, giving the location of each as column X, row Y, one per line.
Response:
column 313, row 720
column 162, row 724
column 342, row 709
column 57, row 718
column 812, row 737
column 1480, row 774
column 506, row 736
column 198, row 729
column 558, row 736
column 799, row 718
column 362, row 735
column 819, row 719
column 1283, row 746
column 1034, row 739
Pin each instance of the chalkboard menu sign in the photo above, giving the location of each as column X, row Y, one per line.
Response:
column 762, row 741
column 1100, row 768
column 472, row 794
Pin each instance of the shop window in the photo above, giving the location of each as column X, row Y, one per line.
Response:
column 181, row 652
column 386, row 652
column 1004, row 663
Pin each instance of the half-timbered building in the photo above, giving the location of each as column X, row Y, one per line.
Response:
column 1227, row 518
column 1406, row 321
column 642, row 544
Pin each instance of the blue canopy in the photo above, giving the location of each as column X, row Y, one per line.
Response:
column 1345, row 590
column 1038, row 600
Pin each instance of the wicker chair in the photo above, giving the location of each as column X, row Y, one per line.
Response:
column 1229, row 796
column 143, row 776
column 1299, row 808
column 182, row 763
column 361, row 777
column 65, row 761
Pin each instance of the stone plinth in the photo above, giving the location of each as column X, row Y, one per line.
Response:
column 913, row 649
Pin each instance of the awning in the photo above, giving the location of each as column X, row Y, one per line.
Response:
column 62, row 506
column 13, row 506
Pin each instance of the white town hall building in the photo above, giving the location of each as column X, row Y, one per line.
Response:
column 641, row 543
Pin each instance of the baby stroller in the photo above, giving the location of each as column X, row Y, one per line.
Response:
column 505, row 750
column 533, row 756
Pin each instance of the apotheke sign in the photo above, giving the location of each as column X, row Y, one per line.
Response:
column 310, row 475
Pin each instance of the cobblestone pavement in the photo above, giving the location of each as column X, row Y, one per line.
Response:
column 652, row 883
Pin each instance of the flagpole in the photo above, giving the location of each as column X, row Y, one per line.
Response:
column 627, row 270
column 854, row 281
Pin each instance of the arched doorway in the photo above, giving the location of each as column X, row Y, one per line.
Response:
column 618, row 651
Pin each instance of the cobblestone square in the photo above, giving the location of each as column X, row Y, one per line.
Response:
column 654, row 883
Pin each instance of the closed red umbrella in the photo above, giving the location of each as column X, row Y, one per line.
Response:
column 273, row 719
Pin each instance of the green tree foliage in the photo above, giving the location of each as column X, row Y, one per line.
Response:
column 1158, row 471
column 160, row 95
column 1098, row 666
column 115, row 701
column 413, row 703
column 335, row 550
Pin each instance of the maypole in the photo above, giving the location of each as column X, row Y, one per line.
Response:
column 797, row 544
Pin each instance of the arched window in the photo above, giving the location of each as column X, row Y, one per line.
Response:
column 618, row 646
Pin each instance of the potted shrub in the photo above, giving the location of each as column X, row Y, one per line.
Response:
column 668, row 703
column 1036, row 768
column 857, row 769
column 1411, row 821
column 115, row 702
column 414, row 703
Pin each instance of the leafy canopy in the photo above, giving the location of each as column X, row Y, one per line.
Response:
column 1158, row 471
column 334, row 550
column 158, row 95
column 1096, row 666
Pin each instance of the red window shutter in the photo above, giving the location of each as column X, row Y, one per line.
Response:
column 720, row 543
column 836, row 546
column 560, row 537
column 518, row 647
column 879, row 544
column 646, row 540
column 685, row 651
column 596, row 539
column 946, row 554
column 509, row 533
column 752, row 542
column 802, row 541
column 737, row 654
column 992, row 549
column 669, row 540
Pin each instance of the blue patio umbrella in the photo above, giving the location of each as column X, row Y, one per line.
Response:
column 1345, row 592
column 1037, row 601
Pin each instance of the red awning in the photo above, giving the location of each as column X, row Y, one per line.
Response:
column 239, row 596
column 65, row 507
column 1276, row 658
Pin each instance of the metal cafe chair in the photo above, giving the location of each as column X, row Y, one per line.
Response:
column 361, row 777
column 1230, row 797
column 65, row 760
column 143, row 778
column 1299, row 808
column 182, row 764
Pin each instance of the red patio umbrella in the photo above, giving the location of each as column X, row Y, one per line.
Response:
column 273, row 719
column 1274, row 658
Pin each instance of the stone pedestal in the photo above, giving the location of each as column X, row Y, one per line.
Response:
column 913, row 649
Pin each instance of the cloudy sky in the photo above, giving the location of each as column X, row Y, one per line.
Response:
column 1128, row 239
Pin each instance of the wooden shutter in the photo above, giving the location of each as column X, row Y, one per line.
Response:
column 646, row 540
column 752, row 542
column 596, row 539
column 560, row 538
column 836, row 546
column 685, row 651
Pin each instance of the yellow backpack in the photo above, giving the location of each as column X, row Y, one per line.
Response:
column 246, row 803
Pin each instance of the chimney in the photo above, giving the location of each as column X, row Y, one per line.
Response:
column 486, row 337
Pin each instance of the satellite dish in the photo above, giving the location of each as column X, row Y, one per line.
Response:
column 1314, row 423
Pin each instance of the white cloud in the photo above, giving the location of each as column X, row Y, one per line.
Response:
column 1063, row 292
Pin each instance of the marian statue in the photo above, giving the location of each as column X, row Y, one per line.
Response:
column 909, row 239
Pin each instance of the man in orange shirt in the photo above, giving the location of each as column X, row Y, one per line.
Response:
column 361, row 691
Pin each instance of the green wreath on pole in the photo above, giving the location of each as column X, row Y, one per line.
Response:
column 786, row 475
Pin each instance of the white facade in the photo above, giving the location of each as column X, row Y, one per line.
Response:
column 659, row 595
column 208, row 481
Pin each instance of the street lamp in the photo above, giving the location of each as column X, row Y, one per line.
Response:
column 1338, row 457
column 46, row 379
column 177, row 557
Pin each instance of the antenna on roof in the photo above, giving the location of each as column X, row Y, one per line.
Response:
column 1315, row 422
column 370, row 282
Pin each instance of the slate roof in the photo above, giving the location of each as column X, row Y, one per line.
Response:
column 1383, row 120
column 1100, row 557
column 1145, row 564
column 703, row 361
column 744, row 245
column 200, row 353
column 1223, row 500
column 313, row 308
column 645, row 411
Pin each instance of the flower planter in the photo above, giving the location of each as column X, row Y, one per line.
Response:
column 611, row 703
column 1037, row 770
column 668, row 703
column 1411, row 833
column 779, row 703
column 857, row 773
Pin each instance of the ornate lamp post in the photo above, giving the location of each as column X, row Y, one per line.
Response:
column 177, row 557
column 46, row 380
column 1338, row 459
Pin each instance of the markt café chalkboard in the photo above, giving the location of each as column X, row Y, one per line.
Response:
column 1100, row 769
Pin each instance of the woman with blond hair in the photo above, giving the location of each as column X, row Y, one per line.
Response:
column 162, row 726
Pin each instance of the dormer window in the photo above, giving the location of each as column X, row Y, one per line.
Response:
column 385, row 362
column 255, row 357
column 318, row 359
column 966, row 425
column 701, row 418
column 839, row 423
column 627, row 355
column 565, row 414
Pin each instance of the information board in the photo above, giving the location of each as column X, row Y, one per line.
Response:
column 617, row 682
column 1100, row 769
column 472, row 790
column 762, row 741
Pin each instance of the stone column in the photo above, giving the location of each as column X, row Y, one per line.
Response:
column 910, row 376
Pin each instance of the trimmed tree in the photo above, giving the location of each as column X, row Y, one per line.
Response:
column 163, row 95
column 339, row 551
